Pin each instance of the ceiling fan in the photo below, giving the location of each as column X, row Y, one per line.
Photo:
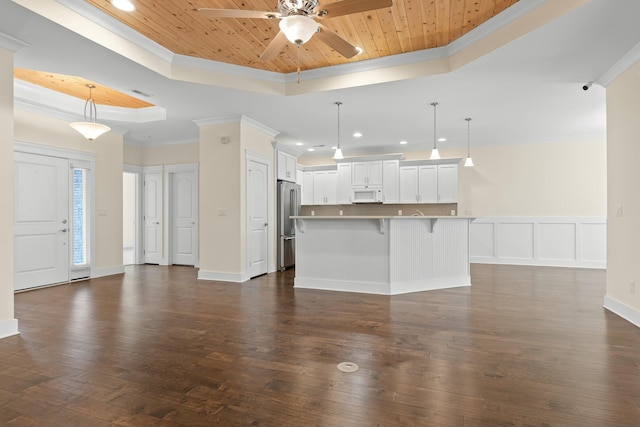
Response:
column 298, row 24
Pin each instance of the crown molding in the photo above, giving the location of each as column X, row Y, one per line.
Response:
column 237, row 118
column 11, row 43
column 623, row 64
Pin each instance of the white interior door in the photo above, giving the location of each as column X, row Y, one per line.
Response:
column 152, row 218
column 184, row 193
column 258, row 212
column 41, row 221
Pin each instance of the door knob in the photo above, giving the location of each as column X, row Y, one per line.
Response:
column 64, row 230
column 265, row 224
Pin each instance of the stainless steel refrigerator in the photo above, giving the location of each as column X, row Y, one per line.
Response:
column 288, row 205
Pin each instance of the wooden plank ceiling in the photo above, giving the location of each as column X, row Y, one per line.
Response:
column 410, row 25
column 77, row 86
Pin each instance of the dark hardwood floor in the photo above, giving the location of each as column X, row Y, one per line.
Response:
column 522, row 346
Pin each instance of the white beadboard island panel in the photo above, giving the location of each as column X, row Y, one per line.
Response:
column 543, row 241
column 382, row 254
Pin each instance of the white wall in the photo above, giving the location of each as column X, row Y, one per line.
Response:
column 623, row 231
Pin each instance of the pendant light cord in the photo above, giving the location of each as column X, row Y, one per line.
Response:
column 338, row 104
column 434, row 125
column 468, row 119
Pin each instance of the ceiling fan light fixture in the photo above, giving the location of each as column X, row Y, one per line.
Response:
column 298, row 28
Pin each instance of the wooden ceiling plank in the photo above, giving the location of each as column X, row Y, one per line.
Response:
column 388, row 28
column 457, row 18
column 443, row 13
column 413, row 9
column 401, row 23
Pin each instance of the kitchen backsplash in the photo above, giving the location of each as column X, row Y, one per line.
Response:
column 381, row 209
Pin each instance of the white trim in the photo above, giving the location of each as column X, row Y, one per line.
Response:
column 237, row 118
column 627, row 313
column 495, row 245
column 223, row 277
column 623, row 64
column 51, row 151
column 11, row 43
column 132, row 169
column 152, row 169
column 110, row 271
column 9, row 328
column 181, row 167
column 381, row 288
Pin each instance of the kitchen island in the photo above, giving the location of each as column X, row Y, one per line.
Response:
column 385, row 255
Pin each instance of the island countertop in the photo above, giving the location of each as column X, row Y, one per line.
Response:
column 382, row 217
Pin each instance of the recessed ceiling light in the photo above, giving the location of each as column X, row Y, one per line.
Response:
column 125, row 5
column 311, row 149
column 359, row 49
column 403, row 142
column 357, row 135
column 299, row 143
column 442, row 139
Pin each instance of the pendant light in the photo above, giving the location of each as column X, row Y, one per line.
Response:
column 468, row 162
column 89, row 128
column 338, row 154
column 435, row 155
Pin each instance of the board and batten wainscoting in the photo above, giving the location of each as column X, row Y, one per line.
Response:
column 542, row 241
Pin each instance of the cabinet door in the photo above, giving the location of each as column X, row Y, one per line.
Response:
column 374, row 173
column 428, row 184
column 319, row 179
column 390, row 182
column 330, row 187
column 343, row 192
column 307, row 188
column 447, row 183
column 408, row 184
column 292, row 164
column 359, row 174
column 281, row 163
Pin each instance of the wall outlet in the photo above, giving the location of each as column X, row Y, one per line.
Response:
column 340, row 212
column 313, row 213
column 399, row 212
column 632, row 286
column 619, row 210
column 453, row 212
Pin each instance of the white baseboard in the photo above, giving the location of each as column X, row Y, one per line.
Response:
column 223, row 277
column 380, row 288
column 630, row 314
column 102, row 272
column 9, row 328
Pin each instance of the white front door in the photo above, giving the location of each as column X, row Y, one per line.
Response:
column 258, row 211
column 41, row 220
column 184, row 192
column 153, row 218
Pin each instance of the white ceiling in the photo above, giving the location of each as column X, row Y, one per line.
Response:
column 528, row 90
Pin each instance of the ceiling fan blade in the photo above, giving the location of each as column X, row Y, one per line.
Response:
column 336, row 42
column 347, row 7
column 238, row 13
column 274, row 47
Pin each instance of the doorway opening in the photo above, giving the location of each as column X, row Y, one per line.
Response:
column 130, row 213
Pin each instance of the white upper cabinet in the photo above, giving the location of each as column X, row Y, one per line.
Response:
column 343, row 192
column 324, row 187
column 447, row 183
column 307, row 188
column 286, row 164
column 432, row 183
column 390, row 181
column 366, row 174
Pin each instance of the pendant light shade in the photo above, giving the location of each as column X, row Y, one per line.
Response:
column 89, row 128
column 298, row 28
column 468, row 162
column 338, row 154
column 435, row 154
